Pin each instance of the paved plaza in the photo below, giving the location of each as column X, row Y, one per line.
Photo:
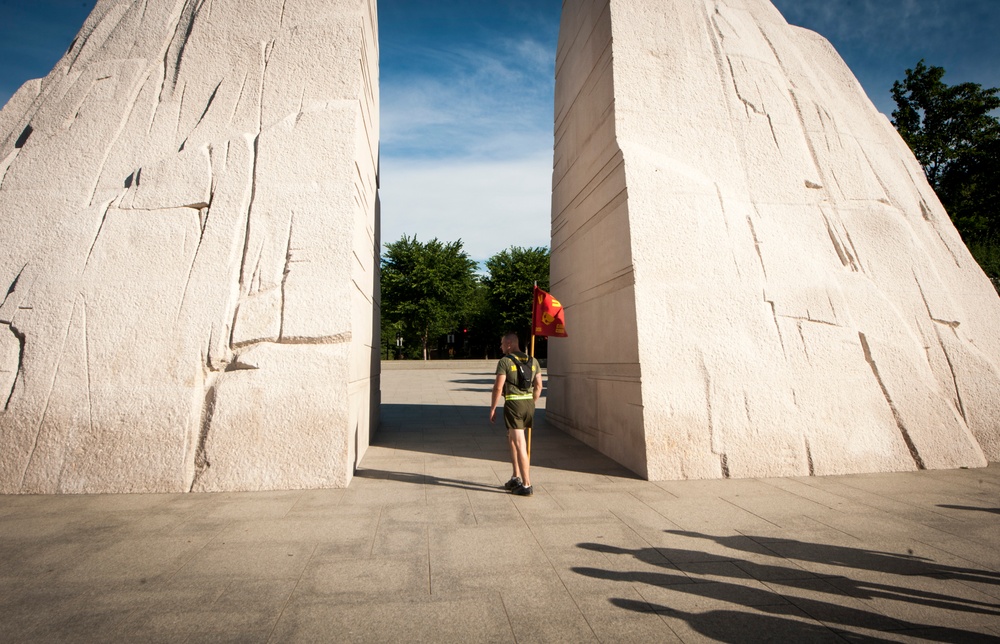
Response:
column 424, row 546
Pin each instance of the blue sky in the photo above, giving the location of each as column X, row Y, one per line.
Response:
column 467, row 88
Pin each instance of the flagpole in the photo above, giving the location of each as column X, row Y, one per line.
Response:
column 533, row 319
column 528, row 432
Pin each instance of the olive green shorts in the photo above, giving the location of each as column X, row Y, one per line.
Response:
column 518, row 414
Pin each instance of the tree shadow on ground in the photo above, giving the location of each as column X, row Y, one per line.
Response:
column 771, row 595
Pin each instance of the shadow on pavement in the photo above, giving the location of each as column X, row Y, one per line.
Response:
column 772, row 594
column 861, row 559
column 426, row 479
column 970, row 508
column 465, row 431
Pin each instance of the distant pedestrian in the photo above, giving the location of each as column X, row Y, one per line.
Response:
column 518, row 384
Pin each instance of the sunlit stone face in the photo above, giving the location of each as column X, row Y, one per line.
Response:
column 188, row 215
column 759, row 280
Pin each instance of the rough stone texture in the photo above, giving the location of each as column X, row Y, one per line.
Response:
column 758, row 280
column 188, row 274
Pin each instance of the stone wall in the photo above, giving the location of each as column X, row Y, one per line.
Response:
column 594, row 388
column 758, row 279
column 189, row 209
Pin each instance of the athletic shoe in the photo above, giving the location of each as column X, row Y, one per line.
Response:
column 515, row 481
column 520, row 490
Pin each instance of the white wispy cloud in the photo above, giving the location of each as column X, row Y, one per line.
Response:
column 469, row 101
column 490, row 205
column 467, row 145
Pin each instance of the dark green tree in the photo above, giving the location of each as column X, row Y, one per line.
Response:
column 479, row 332
column 510, row 286
column 956, row 139
column 426, row 288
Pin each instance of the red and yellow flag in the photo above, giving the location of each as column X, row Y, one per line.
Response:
column 547, row 316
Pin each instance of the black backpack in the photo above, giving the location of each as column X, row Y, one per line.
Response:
column 523, row 371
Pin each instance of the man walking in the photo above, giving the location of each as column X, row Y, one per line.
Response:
column 518, row 384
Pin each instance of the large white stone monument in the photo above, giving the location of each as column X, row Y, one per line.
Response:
column 758, row 280
column 188, row 251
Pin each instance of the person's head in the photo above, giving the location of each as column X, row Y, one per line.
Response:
column 509, row 343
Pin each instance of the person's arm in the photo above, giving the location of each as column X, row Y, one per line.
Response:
column 536, row 385
column 497, row 396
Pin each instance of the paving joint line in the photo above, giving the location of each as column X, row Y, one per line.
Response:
column 284, row 605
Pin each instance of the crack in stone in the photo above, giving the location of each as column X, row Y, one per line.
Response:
column 97, row 235
column 953, row 324
column 204, row 113
column 914, row 454
column 954, row 381
column 845, row 256
column 201, row 462
column 13, row 286
column 48, row 396
column 21, row 338
column 777, row 326
column 337, row 338
column 756, row 245
column 284, row 275
column 123, row 123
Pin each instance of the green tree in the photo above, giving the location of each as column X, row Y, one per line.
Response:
column 426, row 288
column 510, row 286
column 479, row 332
column 956, row 139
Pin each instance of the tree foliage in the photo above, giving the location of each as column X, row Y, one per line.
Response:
column 426, row 288
column 955, row 137
column 431, row 291
column 510, row 286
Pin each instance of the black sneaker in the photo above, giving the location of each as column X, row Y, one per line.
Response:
column 514, row 482
column 520, row 490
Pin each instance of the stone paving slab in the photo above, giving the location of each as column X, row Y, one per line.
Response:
column 424, row 546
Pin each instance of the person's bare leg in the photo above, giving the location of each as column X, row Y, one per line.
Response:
column 520, row 447
column 513, row 453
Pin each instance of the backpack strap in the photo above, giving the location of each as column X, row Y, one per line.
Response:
column 525, row 372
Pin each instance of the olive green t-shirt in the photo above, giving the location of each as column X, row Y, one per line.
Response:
column 506, row 366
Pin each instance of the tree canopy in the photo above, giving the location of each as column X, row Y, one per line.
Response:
column 426, row 287
column 510, row 286
column 956, row 138
column 431, row 292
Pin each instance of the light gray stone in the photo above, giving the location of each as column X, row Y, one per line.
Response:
column 189, row 212
column 758, row 280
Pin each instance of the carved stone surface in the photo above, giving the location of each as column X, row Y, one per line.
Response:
column 188, row 271
column 758, row 279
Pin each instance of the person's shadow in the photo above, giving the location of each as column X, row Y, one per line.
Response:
column 427, row 479
column 887, row 562
column 747, row 627
column 970, row 508
column 782, row 608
